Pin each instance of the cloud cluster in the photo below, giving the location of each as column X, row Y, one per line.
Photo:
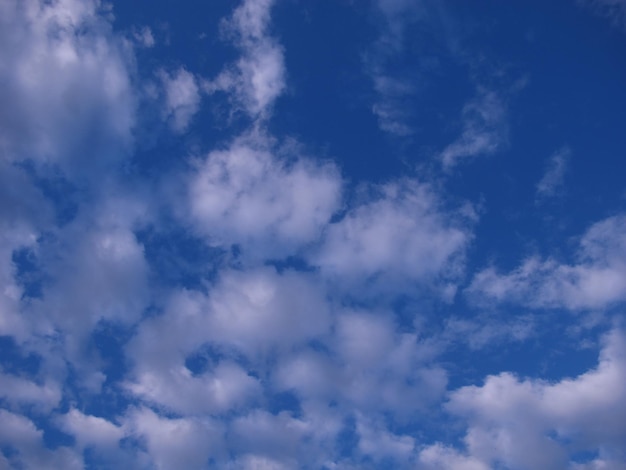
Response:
column 320, row 337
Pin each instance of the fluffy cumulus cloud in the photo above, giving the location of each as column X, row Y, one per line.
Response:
column 400, row 234
column 258, row 77
column 22, row 436
column 269, row 205
column 66, row 85
column 597, row 279
column 234, row 289
column 528, row 423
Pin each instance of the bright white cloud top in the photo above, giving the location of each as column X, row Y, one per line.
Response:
column 285, row 235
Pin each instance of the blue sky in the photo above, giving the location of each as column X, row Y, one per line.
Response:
column 278, row 234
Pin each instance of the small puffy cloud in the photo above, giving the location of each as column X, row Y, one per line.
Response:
column 225, row 387
column 91, row 431
column 378, row 443
column 182, row 98
column 440, row 457
column 257, row 462
column 531, row 423
column 173, row 443
column 27, row 448
column 484, row 129
column 597, row 280
column 279, row 437
column 260, row 311
column 399, row 236
column 18, row 391
column 144, row 37
column 552, row 180
column 258, row 77
column 269, row 206
column 102, row 276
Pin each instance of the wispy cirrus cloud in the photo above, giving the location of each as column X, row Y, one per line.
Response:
column 392, row 89
column 484, row 129
column 551, row 183
column 614, row 10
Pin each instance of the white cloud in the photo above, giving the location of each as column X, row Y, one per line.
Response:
column 484, row 129
column 91, row 430
column 369, row 367
column 159, row 374
column 94, row 270
column 182, row 98
column 20, row 434
column 226, row 387
column 261, row 334
column 66, row 93
column 552, row 181
column 376, row 442
column 258, row 77
column 177, row 442
column 440, row 457
column 256, row 313
column 312, row 374
column 256, row 462
column 597, row 280
column 102, row 276
column 245, row 195
column 400, row 236
column 260, row 311
column 536, row 424
column 18, row 391
column 24, row 213
column 278, row 437
column 144, row 37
